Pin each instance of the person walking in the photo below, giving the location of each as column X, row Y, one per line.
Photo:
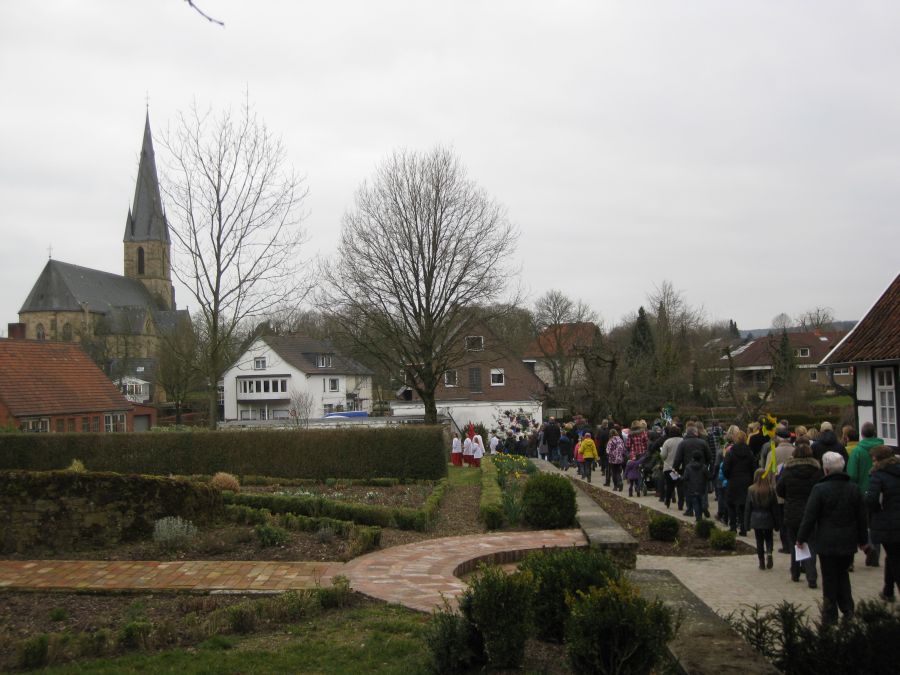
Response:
column 883, row 500
column 859, row 467
column 738, row 469
column 795, row 483
column 468, row 449
column 456, row 451
column 615, row 452
column 477, row 450
column 672, row 477
column 551, row 437
column 589, row 455
column 690, row 444
column 761, row 514
column 696, row 478
column 837, row 513
column 564, row 451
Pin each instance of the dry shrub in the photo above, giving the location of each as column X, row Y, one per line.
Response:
column 225, row 481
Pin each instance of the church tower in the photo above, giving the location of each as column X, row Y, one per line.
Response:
column 147, row 243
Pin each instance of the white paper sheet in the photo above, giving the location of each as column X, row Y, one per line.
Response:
column 801, row 553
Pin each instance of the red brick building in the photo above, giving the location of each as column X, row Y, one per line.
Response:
column 55, row 387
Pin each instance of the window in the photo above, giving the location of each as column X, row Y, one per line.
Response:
column 334, row 384
column 114, row 422
column 813, row 376
column 263, row 414
column 60, row 426
column 248, row 414
column 85, row 424
column 801, row 352
column 451, row 379
column 40, row 333
column 281, row 414
column 329, row 408
column 498, row 378
column 140, row 260
column 67, row 332
column 95, row 424
column 284, row 385
column 41, row 425
column 258, row 384
column 474, row 343
column 259, row 363
column 842, row 371
column 475, row 379
column 530, row 365
column 886, row 405
column 324, row 361
column 266, row 386
column 70, row 426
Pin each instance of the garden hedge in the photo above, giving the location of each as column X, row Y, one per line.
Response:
column 490, row 506
column 408, row 452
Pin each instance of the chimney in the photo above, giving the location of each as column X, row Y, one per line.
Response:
column 15, row 331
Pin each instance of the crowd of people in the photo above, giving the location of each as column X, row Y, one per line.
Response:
column 826, row 495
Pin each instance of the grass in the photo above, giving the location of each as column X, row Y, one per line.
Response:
column 841, row 401
column 463, row 476
column 371, row 638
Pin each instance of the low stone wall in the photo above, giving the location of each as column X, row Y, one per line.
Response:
column 65, row 510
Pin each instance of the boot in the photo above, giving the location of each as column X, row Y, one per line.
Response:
column 762, row 563
column 769, row 562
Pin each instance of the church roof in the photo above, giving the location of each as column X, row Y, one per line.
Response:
column 66, row 287
column 146, row 220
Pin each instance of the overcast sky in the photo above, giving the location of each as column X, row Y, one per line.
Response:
column 749, row 152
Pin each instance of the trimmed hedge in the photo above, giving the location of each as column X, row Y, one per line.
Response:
column 490, row 506
column 403, row 518
column 408, row 452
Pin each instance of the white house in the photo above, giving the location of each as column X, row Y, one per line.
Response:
column 285, row 376
column 872, row 351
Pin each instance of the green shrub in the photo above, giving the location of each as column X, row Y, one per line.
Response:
column 336, row 595
column 241, row 618
column 613, row 630
column 92, row 645
column 77, row 466
column 270, row 535
column 408, row 452
column 490, row 506
column 135, row 634
column 32, row 652
column 59, row 614
column 225, row 481
column 722, row 540
column 663, row 527
column 499, row 606
column 511, row 501
column 548, row 501
column 561, row 572
column 173, row 532
column 449, row 640
column 703, row 528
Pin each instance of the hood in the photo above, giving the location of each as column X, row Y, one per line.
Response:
column 805, row 466
column 828, row 438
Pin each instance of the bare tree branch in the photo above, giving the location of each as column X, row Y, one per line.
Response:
column 204, row 14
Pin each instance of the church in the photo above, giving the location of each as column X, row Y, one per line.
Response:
column 120, row 321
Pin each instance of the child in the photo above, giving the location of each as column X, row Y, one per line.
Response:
column 695, row 478
column 760, row 513
column 579, row 459
column 633, row 474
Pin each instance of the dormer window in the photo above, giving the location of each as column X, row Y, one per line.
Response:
column 259, row 363
column 475, row 343
column 802, row 352
column 324, row 361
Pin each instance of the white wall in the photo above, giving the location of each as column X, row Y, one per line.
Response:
column 463, row 412
column 864, row 392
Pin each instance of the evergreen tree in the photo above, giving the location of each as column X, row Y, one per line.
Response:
column 642, row 345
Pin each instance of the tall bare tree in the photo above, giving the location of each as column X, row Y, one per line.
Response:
column 782, row 321
column 817, row 318
column 178, row 371
column 424, row 257
column 235, row 216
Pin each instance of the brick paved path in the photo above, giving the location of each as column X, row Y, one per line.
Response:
column 148, row 575
column 416, row 575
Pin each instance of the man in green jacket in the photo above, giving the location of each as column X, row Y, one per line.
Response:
column 858, row 468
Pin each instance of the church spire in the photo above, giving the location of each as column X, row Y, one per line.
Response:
column 146, row 220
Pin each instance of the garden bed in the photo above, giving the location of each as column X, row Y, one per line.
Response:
column 410, row 495
column 635, row 519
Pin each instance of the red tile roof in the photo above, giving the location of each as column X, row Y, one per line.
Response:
column 758, row 353
column 53, row 378
column 571, row 337
column 877, row 336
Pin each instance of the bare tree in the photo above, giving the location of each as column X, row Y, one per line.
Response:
column 302, row 403
column 235, row 209
column 423, row 258
column 817, row 318
column 178, row 370
column 782, row 321
column 564, row 329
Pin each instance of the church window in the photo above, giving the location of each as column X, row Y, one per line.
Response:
column 67, row 332
column 41, row 334
column 140, row 261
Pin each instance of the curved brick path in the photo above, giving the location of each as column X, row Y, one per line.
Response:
column 417, row 575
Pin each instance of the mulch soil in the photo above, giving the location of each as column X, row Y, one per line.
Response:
column 636, row 519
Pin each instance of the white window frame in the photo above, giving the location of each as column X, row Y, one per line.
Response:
column 498, row 377
column 334, row 384
column 802, row 352
column 324, row 361
column 841, row 371
column 259, row 363
column 470, row 343
column 813, row 376
column 451, row 381
column 886, row 405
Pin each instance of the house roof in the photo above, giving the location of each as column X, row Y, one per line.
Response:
column 302, row 353
column 758, row 353
column 146, row 220
column 53, row 378
column 569, row 338
column 877, row 336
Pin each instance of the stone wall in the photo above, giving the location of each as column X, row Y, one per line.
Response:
column 65, row 510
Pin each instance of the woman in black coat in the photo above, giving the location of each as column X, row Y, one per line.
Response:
column 795, row 483
column 883, row 500
column 738, row 470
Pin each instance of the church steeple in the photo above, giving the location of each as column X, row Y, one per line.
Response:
column 147, row 243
